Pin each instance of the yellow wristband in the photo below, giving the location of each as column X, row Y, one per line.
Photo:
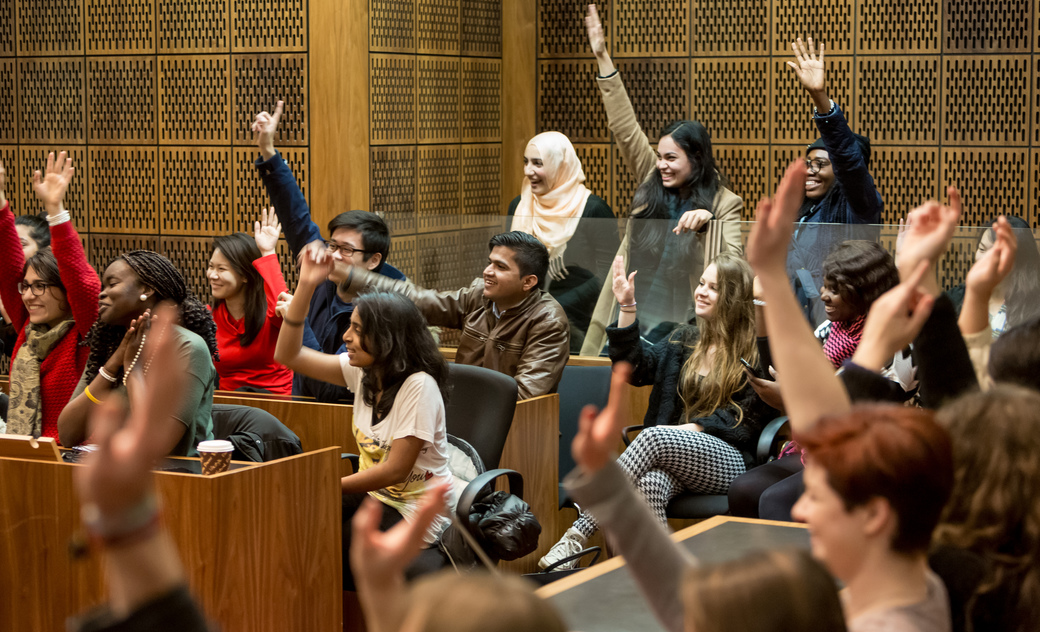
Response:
column 86, row 391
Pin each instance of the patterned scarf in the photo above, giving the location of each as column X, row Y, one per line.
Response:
column 24, row 415
column 843, row 339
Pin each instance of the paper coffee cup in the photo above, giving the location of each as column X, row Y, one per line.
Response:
column 216, row 456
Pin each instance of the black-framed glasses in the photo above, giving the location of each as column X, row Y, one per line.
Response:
column 814, row 166
column 347, row 251
column 36, row 287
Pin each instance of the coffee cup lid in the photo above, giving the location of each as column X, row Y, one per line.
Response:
column 218, row 445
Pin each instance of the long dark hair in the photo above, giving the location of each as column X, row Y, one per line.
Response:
column 241, row 251
column 158, row 273
column 1022, row 286
column 697, row 192
column 394, row 332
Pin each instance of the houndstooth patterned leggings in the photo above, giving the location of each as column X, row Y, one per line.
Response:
column 664, row 461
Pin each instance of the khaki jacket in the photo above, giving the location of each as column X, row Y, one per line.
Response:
column 723, row 234
column 529, row 342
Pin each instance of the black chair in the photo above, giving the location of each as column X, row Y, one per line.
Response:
column 257, row 434
column 579, row 386
column 480, row 409
column 693, row 506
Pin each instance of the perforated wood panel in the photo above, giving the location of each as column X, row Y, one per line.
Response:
column 481, row 115
column 51, row 107
column 792, row 107
column 437, row 26
column 658, row 89
column 104, row 248
column 659, row 28
column 194, row 100
column 481, row 185
column 717, row 85
column 123, row 188
column 905, row 176
column 561, row 27
column 404, row 255
column 265, row 26
column 51, row 28
column 595, row 162
column 998, row 112
column 194, row 189
column 728, row 27
column 13, row 192
column 904, row 111
column 7, row 28
column 392, row 98
column 1032, row 213
column 827, row 21
column 997, row 25
column 122, row 91
column 569, row 101
column 746, row 168
column 258, row 82
column 438, row 188
column 393, row 187
column 884, row 26
column 34, row 157
column 199, row 26
column 438, row 261
column 990, row 181
column 248, row 193
column 120, row 26
column 624, row 183
column 437, row 99
column 481, row 28
column 9, row 101
column 191, row 256
column 391, row 26
column 289, row 268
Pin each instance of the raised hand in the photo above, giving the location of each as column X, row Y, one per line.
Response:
column 693, row 221
column 315, row 264
column 134, row 339
column 264, row 127
column 994, row 266
column 50, row 186
column 598, row 41
column 598, row 434
column 926, row 235
column 266, row 232
column 624, row 286
column 894, row 320
column 774, row 224
column 809, row 70
column 116, row 477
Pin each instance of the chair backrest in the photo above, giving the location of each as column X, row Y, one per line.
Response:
column 480, row 409
column 579, row 386
column 278, row 440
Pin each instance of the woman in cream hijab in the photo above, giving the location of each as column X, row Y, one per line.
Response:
column 552, row 203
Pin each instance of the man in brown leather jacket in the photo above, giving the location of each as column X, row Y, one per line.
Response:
column 509, row 324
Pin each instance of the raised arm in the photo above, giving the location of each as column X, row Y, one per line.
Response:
column 266, row 233
column 441, row 309
column 635, row 147
column 11, row 263
column 810, row 390
column 82, row 284
column 988, row 272
column 290, row 350
column 282, row 188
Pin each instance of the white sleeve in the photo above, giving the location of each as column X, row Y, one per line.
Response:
column 418, row 409
column 351, row 374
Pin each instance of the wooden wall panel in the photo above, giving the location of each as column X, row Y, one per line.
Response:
column 194, row 100
column 392, row 94
column 51, row 100
column 569, row 101
column 827, row 21
column 393, row 188
column 974, row 172
column 9, row 100
column 990, row 26
column 437, row 26
column 437, row 99
column 34, row 157
column 898, row 26
column 716, row 85
column 1033, row 209
column 105, row 248
column 122, row 91
column 258, row 82
column 481, row 183
column 199, row 26
column 248, row 194
column 194, row 189
column 7, row 28
column 13, row 193
column 120, row 27
column 651, row 29
column 595, row 162
column 481, row 105
column 746, row 169
column 792, row 109
column 898, row 112
column 905, row 177
column 561, row 27
column 997, row 113
column 54, row 28
column 392, row 26
column 264, row 26
column 438, row 187
column 658, row 89
column 480, row 29
column 730, row 27
column 124, row 188
column 191, row 256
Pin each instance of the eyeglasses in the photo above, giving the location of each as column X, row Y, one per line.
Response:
column 347, row 251
column 814, row 166
column 37, row 287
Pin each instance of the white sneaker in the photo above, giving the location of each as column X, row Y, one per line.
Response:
column 571, row 543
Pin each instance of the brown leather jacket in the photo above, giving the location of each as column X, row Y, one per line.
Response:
column 530, row 342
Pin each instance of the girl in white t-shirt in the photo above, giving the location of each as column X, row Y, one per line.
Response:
column 399, row 379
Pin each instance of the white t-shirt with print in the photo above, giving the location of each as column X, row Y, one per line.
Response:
column 418, row 411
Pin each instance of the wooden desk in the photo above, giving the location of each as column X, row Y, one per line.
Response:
column 605, row 597
column 260, row 544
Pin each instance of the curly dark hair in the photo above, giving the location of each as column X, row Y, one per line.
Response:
column 395, row 333
column 160, row 274
column 861, row 271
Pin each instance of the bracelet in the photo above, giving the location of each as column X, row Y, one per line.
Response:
column 60, row 218
column 293, row 323
column 105, row 374
column 632, row 304
column 759, row 302
column 86, row 391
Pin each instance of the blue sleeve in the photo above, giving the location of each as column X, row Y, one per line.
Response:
column 850, row 167
column 289, row 203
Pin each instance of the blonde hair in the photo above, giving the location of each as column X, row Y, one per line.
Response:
column 767, row 591
column 478, row 602
column 731, row 332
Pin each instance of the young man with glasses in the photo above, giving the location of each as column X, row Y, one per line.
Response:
column 358, row 237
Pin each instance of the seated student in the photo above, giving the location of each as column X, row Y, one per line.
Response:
column 51, row 296
column 508, row 324
column 359, row 237
column 133, row 284
column 553, row 205
column 838, row 188
column 399, row 378
column 245, row 279
column 876, row 477
column 704, row 419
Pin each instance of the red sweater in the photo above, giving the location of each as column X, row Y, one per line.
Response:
column 61, row 369
column 253, row 365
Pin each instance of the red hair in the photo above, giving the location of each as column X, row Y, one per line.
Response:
column 893, row 452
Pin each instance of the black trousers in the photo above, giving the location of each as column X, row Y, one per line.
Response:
column 753, row 491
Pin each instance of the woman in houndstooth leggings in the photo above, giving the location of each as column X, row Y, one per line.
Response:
column 703, row 418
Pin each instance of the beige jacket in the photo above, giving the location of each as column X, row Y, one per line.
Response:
column 723, row 234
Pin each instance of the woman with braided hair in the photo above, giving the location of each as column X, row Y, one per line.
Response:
column 133, row 284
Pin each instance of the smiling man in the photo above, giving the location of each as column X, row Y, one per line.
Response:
column 509, row 324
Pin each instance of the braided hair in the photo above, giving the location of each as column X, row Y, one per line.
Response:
column 160, row 274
